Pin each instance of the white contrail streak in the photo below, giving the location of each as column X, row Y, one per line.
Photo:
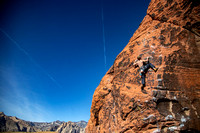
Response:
column 30, row 58
column 104, row 42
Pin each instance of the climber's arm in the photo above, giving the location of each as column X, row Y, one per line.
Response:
column 135, row 64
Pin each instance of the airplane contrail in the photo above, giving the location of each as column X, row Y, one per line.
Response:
column 104, row 42
column 30, row 58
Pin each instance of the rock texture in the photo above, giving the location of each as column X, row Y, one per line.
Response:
column 170, row 35
column 71, row 127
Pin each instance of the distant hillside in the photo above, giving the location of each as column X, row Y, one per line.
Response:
column 14, row 124
column 71, row 127
column 82, row 124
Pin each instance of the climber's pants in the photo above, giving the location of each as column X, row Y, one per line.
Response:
column 143, row 76
column 144, row 69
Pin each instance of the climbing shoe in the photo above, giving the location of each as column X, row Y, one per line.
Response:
column 142, row 87
column 155, row 69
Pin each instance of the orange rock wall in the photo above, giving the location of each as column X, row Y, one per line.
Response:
column 170, row 35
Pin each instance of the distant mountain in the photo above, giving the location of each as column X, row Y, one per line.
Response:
column 47, row 126
column 72, row 127
column 82, row 124
column 14, row 124
column 8, row 123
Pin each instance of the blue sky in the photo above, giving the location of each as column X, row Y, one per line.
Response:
column 52, row 53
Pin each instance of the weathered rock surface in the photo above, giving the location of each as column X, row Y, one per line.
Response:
column 170, row 35
column 71, row 127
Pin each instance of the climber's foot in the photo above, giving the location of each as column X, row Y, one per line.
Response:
column 155, row 69
column 143, row 90
column 142, row 87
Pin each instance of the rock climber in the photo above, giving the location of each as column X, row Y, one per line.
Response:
column 144, row 66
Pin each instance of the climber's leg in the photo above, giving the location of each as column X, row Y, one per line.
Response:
column 149, row 65
column 143, row 76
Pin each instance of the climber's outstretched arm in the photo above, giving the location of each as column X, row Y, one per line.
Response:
column 135, row 64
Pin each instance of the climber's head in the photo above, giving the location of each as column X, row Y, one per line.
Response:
column 139, row 57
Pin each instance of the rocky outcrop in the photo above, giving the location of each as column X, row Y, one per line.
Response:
column 71, row 127
column 170, row 35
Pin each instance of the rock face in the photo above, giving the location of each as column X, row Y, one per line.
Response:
column 71, row 127
column 170, row 35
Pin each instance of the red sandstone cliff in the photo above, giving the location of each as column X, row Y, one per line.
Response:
column 170, row 34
